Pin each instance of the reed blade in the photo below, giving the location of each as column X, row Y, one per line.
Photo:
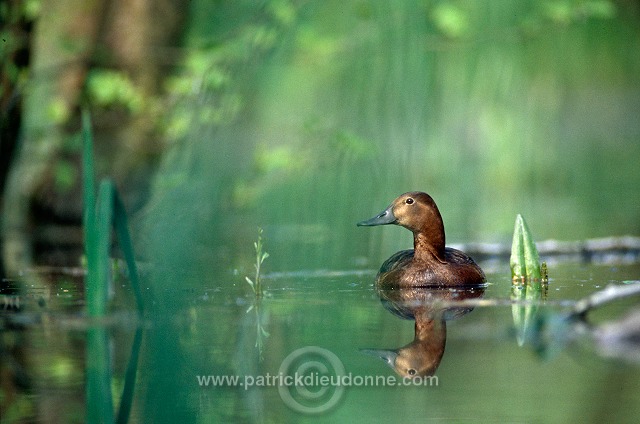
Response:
column 124, row 239
column 525, row 261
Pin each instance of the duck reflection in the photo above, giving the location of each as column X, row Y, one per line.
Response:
column 430, row 308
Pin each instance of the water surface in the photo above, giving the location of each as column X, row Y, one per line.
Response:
column 200, row 328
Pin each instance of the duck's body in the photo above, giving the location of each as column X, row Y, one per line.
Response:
column 402, row 270
column 429, row 263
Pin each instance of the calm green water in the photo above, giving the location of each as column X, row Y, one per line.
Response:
column 206, row 328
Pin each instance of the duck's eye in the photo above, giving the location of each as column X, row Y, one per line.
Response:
column 411, row 371
column 409, row 201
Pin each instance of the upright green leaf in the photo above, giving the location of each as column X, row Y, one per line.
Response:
column 88, row 195
column 99, row 274
column 525, row 262
column 122, row 231
column 100, row 216
column 96, row 247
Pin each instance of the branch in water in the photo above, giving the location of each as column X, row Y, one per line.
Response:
column 599, row 298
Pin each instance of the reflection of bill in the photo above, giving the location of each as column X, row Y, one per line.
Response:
column 308, row 368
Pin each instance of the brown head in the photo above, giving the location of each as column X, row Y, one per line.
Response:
column 417, row 212
column 422, row 356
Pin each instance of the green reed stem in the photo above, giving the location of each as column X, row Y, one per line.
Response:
column 261, row 255
column 100, row 216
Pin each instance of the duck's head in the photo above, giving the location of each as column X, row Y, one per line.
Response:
column 409, row 361
column 422, row 356
column 414, row 210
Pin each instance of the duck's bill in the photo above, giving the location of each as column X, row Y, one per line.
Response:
column 387, row 355
column 383, row 218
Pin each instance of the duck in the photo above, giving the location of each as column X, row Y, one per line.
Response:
column 430, row 263
column 430, row 308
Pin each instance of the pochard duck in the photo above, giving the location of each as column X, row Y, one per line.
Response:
column 429, row 263
column 430, row 308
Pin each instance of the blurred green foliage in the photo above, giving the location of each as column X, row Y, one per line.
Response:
column 112, row 88
column 65, row 175
column 450, row 20
column 278, row 106
column 305, row 117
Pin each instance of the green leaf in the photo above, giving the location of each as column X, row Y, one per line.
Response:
column 88, row 191
column 99, row 276
column 249, row 281
column 99, row 218
column 124, row 239
column 525, row 262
